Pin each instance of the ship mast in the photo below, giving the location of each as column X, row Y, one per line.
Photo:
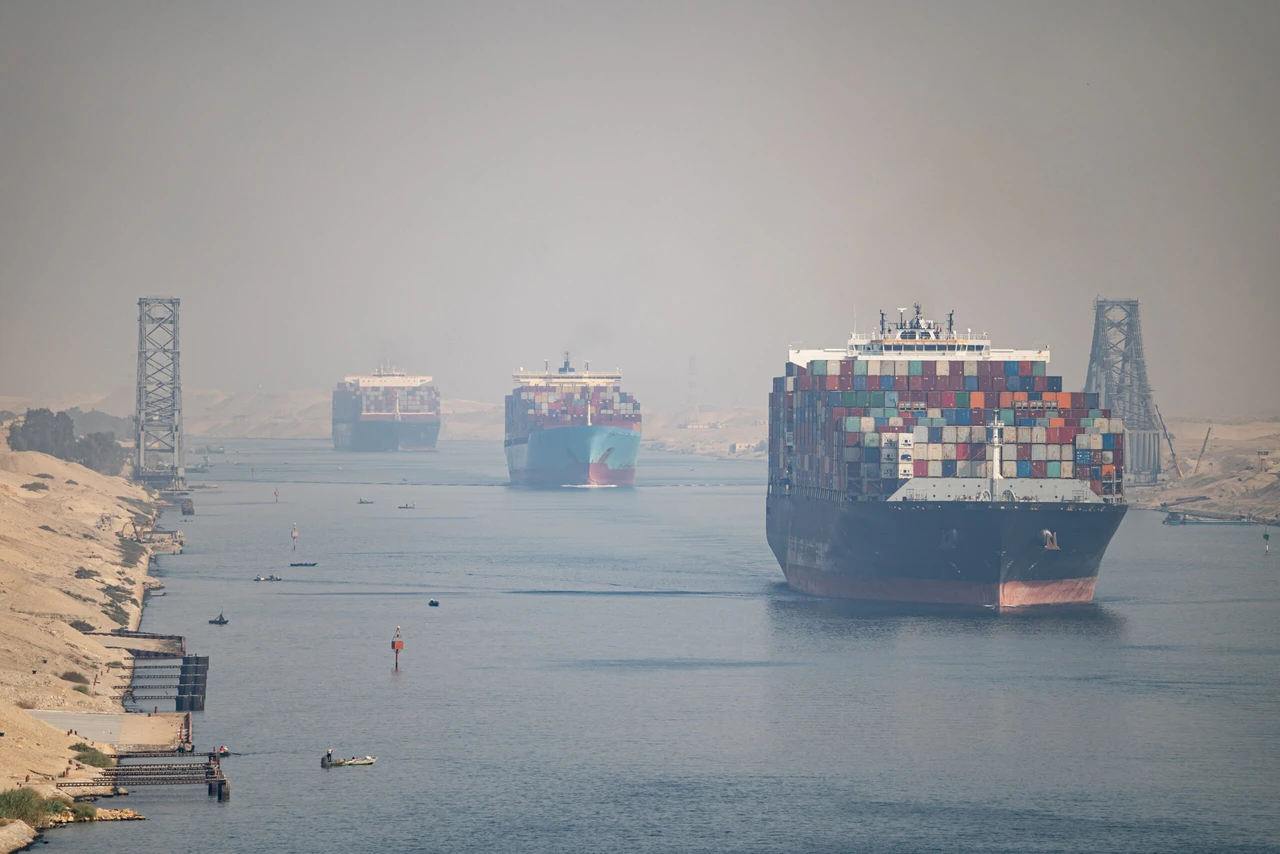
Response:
column 994, row 443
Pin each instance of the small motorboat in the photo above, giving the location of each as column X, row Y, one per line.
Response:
column 433, row 604
column 365, row 501
column 220, row 621
column 268, row 578
column 409, row 506
column 311, row 563
column 329, row 762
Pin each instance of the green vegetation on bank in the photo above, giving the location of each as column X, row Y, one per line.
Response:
column 87, row 755
column 55, row 434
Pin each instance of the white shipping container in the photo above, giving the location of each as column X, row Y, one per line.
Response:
column 970, row 367
column 1039, row 453
column 1024, row 435
column 896, row 421
column 1117, row 425
column 1102, row 425
column 933, row 413
column 1082, row 441
column 1095, row 441
column 949, row 435
column 901, row 368
column 1108, row 457
column 1009, row 468
column 964, row 468
column 889, row 455
column 888, row 440
column 906, row 471
column 873, row 367
column 868, row 425
column 1052, row 452
column 833, row 367
column 904, row 455
column 948, row 451
column 1038, row 436
column 906, row 440
column 979, row 468
column 920, row 434
column 1068, row 468
column 1009, row 435
column 886, row 368
column 935, row 468
column 962, row 434
column 935, row 451
column 943, row 368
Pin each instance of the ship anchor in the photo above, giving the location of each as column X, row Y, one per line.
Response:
column 1050, row 541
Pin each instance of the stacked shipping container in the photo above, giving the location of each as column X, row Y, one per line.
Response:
column 560, row 404
column 864, row 426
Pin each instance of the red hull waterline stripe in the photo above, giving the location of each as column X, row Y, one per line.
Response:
column 1011, row 594
column 596, row 474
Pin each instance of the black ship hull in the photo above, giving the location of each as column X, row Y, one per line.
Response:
column 994, row 554
column 385, row 435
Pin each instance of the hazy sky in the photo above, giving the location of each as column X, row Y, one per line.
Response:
column 467, row 188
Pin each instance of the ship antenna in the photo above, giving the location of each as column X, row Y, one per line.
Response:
column 881, row 322
column 902, row 318
column 951, row 322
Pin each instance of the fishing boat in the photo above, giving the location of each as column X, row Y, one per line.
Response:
column 329, row 762
column 365, row 501
column 220, row 621
column 409, row 506
column 311, row 563
column 268, row 578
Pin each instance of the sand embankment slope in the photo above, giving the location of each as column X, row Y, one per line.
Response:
column 1239, row 473
column 61, row 561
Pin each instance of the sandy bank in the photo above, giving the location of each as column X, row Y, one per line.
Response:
column 63, row 571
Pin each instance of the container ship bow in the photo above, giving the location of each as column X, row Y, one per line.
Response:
column 387, row 410
column 920, row 465
column 571, row 428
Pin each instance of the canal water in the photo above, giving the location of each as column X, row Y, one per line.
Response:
column 616, row 670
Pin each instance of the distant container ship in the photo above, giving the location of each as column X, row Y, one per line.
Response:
column 920, row 465
column 387, row 410
column 571, row 428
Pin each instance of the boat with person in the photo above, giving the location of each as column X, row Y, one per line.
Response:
column 219, row 621
column 328, row 761
column 408, row 506
column 365, row 501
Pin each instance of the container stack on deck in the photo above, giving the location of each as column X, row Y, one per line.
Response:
column 863, row 427
column 562, row 405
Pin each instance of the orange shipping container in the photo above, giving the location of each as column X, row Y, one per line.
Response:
column 977, row 400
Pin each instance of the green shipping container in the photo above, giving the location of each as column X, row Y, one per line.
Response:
column 1038, row 369
column 1054, row 468
column 962, row 400
column 877, row 400
column 915, row 368
column 849, row 398
column 859, row 368
column 1006, row 417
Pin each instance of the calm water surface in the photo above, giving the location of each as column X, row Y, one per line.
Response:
column 623, row 670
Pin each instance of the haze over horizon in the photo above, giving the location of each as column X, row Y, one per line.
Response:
column 466, row 189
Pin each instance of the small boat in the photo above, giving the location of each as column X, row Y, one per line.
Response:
column 268, row 578
column 312, row 563
column 365, row 501
column 326, row 762
column 410, row 506
column 433, row 604
column 220, row 621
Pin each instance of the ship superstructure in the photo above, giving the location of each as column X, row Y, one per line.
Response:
column 387, row 410
column 919, row 463
column 571, row 428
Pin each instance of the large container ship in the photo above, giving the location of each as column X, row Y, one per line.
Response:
column 571, row 428
column 387, row 410
column 917, row 464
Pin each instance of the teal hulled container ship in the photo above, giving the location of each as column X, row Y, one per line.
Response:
column 571, row 428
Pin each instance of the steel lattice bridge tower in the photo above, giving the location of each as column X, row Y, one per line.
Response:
column 158, row 453
column 1118, row 374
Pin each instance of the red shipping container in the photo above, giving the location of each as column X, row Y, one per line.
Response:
column 977, row 417
column 873, row 383
column 831, row 383
column 1119, row 441
column 948, row 400
column 1039, row 469
column 935, row 400
column 1096, row 486
column 963, row 451
column 929, row 383
column 1095, row 458
column 1117, row 457
column 957, row 369
column 1024, row 452
column 997, row 383
column 921, row 468
column 1053, row 435
column 984, row 369
column 929, row 368
column 1024, row 369
column 1041, row 383
column 915, row 383
column 900, row 384
column 846, row 367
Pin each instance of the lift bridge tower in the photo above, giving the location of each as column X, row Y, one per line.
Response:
column 1118, row 373
column 158, row 452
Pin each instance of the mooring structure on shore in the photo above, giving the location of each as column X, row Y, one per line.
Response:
column 160, row 768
